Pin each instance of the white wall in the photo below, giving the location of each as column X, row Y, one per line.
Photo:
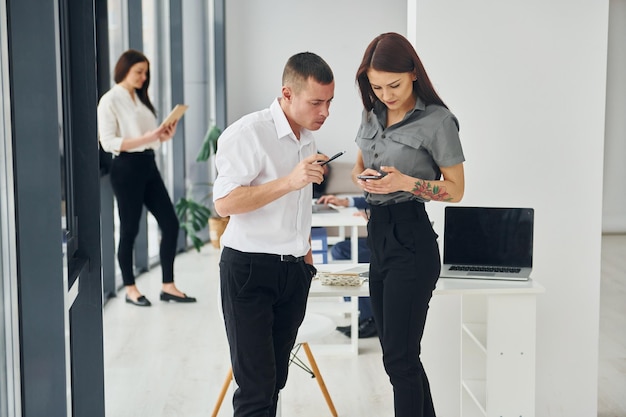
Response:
column 614, row 201
column 262, row 35
column 527, row 82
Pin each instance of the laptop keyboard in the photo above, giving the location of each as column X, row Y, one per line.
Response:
column 485, row 269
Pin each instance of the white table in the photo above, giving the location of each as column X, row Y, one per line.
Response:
column 343, row 217
column 319, row 290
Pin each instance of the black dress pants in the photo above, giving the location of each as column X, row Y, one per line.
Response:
column 136, row 182
column 404, row 269
column 264, row 301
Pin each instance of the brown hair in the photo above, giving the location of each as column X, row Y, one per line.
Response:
column 122, row 68
column 303, row 65
column 391, row 52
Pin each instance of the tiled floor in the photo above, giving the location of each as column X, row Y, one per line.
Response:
column 171, row 360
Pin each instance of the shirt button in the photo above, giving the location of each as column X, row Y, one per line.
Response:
column 375, row 155
column 384, row 136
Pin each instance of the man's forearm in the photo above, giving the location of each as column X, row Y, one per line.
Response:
column 244, row 199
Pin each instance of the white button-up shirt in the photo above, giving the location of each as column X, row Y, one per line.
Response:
column 258, row 148
column 120, row 117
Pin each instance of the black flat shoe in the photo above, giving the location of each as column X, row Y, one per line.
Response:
column 343, row 329
column 367, row 328
column 171, row 297
column 141, row 301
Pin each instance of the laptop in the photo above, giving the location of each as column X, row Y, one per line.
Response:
column 488, row 243
column 323, row 208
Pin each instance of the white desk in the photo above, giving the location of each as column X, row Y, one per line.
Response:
column 344, row 217
column 498, row 337
column 319, row 290
column 497, row 349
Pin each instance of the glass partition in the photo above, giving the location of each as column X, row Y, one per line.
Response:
column 69, row 223
column 9, row 344
column 155, row 35
column 118, row 33
column 117, row 15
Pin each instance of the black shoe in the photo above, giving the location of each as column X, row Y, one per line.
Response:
column 367, row 328
column 344, row 329
column 141, row 301
column 165, row 296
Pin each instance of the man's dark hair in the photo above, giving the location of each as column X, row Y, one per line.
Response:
column 303, row 65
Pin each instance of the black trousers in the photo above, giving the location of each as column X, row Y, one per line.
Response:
column 136, row 182
column 264, row 301
column 404, row 269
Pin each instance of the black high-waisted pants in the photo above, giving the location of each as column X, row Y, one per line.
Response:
column 404, row 269
column 136, row 182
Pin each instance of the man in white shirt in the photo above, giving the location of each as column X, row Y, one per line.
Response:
column 266, row 162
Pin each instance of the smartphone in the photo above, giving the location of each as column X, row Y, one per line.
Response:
column 371, row 177
column 332, row 158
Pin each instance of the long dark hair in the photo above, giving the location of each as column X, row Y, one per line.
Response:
column 391, row 52
column 123, row 66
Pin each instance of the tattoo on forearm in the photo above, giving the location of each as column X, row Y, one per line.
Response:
column 427, row 191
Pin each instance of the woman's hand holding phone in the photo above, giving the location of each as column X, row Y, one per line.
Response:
column 370, row 181
column 376, row 176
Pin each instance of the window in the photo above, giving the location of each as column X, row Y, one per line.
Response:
column 68, row 219
column 155, row 35
column 118, row 33
column 9, row 385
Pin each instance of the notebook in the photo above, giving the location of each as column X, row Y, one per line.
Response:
column 488, row 243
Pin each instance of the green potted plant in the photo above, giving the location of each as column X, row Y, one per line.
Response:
column 194, row 215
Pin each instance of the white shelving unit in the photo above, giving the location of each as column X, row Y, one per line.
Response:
column 497, row 331
column 498, row 326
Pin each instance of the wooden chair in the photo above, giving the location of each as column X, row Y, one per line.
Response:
column 314, row 325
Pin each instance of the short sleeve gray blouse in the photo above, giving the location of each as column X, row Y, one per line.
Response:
column 426, row 139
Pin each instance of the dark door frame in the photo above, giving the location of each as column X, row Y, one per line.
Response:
column 52, row 80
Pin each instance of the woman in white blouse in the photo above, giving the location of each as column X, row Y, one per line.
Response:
column 128, row 128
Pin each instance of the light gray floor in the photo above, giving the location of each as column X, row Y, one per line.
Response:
column 171, row 359
column 612, row 364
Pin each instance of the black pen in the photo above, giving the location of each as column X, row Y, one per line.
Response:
column 332, row 158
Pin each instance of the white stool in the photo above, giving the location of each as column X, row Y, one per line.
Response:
column 314, row 325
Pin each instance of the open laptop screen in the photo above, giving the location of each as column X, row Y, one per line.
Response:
column 488, row 236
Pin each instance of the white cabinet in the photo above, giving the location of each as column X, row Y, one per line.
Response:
column 498, row 334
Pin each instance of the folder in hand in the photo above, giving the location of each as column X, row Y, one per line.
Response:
column 176, row 113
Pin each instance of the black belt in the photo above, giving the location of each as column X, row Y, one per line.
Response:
column 142, row 153
column 290, row 258
column 267, row 256
column 391, row 213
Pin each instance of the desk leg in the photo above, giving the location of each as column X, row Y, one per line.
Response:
column 354, row 247
column 354, row 244
column 354, row 323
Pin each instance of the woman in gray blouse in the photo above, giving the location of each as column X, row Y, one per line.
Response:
column 409, row 147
